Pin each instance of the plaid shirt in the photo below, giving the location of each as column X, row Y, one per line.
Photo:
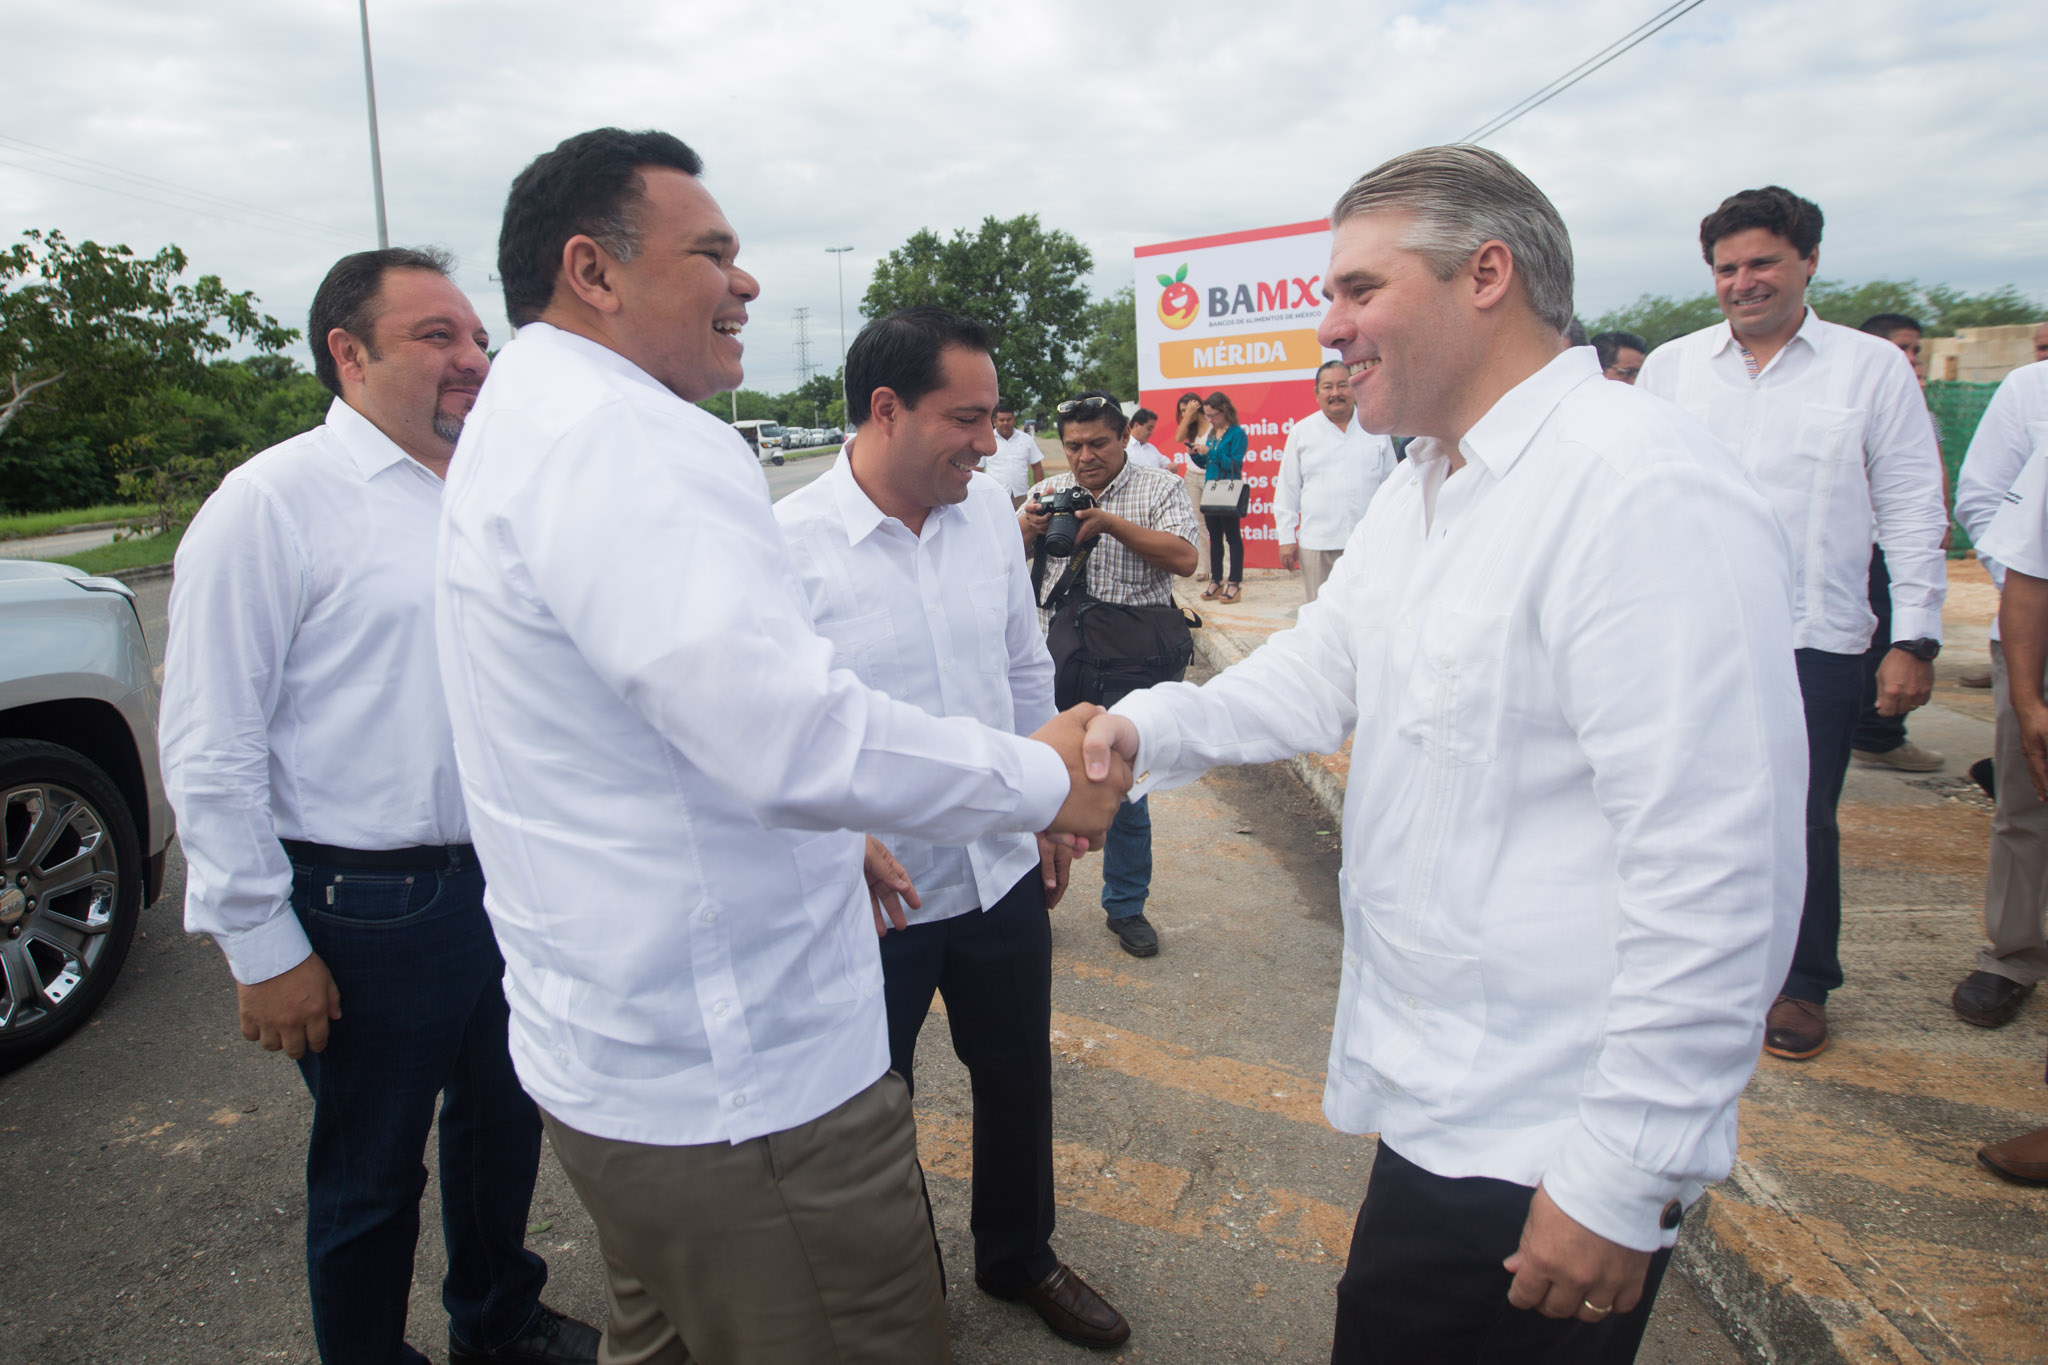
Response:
column 1151, row 498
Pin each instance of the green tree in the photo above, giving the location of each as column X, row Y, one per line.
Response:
column 1019, row 278
column 1940, row 308
column 98, row 347
column 1109, row 345
column 1657, row 318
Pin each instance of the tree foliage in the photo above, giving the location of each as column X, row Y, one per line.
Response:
column 1109, row 346
column 1019, row 278
column 1941, row 309
column 109, row 359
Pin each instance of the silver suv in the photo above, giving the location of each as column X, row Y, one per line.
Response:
column 84, row 824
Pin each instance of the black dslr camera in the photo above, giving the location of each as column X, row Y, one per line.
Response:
column 1066, row 527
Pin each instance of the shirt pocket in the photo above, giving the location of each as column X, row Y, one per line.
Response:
column 989, row 599
column 866, row 644
column 1419, row 1019
column 1452, row 705
column 844, row 961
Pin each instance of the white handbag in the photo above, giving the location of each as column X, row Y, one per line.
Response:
column 1221, row 497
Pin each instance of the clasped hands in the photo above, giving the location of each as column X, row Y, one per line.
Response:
column 1097, row 781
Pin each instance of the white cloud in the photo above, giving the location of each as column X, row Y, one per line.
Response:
column 860, row 122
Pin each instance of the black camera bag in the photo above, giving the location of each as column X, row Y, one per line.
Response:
column 1103, row 650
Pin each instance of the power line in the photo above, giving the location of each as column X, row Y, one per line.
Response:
column 195, row 201
column 1655, row 24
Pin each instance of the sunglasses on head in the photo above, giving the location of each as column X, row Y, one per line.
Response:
column 1094, row 402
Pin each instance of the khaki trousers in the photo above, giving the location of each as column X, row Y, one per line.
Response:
column 811, row 1246
column 1315, row 569
column 2016, row 888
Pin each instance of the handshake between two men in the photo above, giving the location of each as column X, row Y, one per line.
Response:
column 1096, row 787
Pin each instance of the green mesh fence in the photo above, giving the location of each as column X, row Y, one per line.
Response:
column 1957, row 407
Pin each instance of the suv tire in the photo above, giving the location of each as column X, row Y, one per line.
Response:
column 71, row 875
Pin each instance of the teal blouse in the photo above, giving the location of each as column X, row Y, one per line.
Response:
column 1225, row 459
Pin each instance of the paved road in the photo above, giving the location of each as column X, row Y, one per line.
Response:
column 56, row 546
column 153, row 1204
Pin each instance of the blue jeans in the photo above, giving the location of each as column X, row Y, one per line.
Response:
column 1831, row 686
column 423, row 1015
column 1127, row 860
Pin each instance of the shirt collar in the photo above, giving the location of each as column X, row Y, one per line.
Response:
column 369, row 450
column 594, row 352
column 1498, row 439
column 858, row 515
column 1810, row 331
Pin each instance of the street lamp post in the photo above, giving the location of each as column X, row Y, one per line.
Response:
column 839, row 255
column 376, row 158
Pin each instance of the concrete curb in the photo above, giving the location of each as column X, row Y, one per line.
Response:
column 1781, row 1287
column 145, row 573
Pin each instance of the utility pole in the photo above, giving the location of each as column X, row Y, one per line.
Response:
column 839, row 253
column 376, row 158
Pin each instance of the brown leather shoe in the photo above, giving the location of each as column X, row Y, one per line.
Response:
column 1988, row 1000
column 2023, row 1159
column 1796, row 1029
column 1070, row 1308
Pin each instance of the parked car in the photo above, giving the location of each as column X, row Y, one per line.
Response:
column 84, row 823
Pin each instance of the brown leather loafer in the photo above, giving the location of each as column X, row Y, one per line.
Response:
column 1069, row 1307
column 1796, row 1029
column 2023, row 1159
column 1988, row 1000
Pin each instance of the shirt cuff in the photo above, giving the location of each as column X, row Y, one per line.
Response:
column 269, row 949
column 1609, row 1196
column 1045, row 786
column 1158, row 744
column 1919, row 623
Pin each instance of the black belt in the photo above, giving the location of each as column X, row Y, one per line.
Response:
column 424, row 857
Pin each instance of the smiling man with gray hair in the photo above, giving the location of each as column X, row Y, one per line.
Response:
column 1559, row 641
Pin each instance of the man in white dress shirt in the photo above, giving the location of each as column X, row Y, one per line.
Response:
column 1329, row 470
column 1140, row 450
column 1016, row 463
column 307, row 750
column 661, row 763
column 1830, row 424
column 909, row 561
column 1561, row 642
column 2013, row 431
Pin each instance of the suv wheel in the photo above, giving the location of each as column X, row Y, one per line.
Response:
column 70, row 893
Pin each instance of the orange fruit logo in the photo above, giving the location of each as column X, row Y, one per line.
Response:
column 1178, row 301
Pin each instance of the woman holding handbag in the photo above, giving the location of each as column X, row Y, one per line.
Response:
column 1225, row 495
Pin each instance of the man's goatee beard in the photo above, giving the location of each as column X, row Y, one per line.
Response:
column 447, row 427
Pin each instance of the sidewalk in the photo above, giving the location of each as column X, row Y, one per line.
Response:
column 1858, row 1225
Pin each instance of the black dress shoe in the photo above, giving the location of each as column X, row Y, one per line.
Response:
column 551, row 1340
column 1987, row 999
column 1068, row 1306
column 1137, row 935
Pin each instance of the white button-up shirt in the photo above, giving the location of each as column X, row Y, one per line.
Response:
column 1144, row 452
column 662, row 763
column 1835, row 432
column 301, row 696
column 2018, row 534
column 2014, row 428
column 1574, row 835
column 1327, row 477
column 1011, row 463
column 942, row 619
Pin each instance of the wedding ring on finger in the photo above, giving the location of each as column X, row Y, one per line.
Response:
column 1592, row 1307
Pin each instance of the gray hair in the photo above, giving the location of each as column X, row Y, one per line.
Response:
column 1463, row 197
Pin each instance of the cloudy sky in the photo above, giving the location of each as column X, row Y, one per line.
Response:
column 1918, row 128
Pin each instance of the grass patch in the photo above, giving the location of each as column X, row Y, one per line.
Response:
column 16, row 526
column 127, row 554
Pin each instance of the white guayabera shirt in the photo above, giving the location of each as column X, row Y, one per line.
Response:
column 1575, row 832
column 302, row 699
column 1327, row 479
column 942, row 619
column 2012, row 431
column 1011, row 464
column 662, row 763
column 1835, row 432
column 2018, row 534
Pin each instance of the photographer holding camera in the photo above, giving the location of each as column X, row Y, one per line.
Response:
column 1115, row 534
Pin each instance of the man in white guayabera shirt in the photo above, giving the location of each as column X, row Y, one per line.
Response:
column 1561, row 642
column 307, row 751
column 660, row 761
column 1830, row 424
column 1329, row 470
column 909, row 561
column 1016, row 463
column 2013, row 431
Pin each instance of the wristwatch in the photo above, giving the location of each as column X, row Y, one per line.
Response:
column 1922, row 649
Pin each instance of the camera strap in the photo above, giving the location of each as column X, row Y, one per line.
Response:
column 1077, row 564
